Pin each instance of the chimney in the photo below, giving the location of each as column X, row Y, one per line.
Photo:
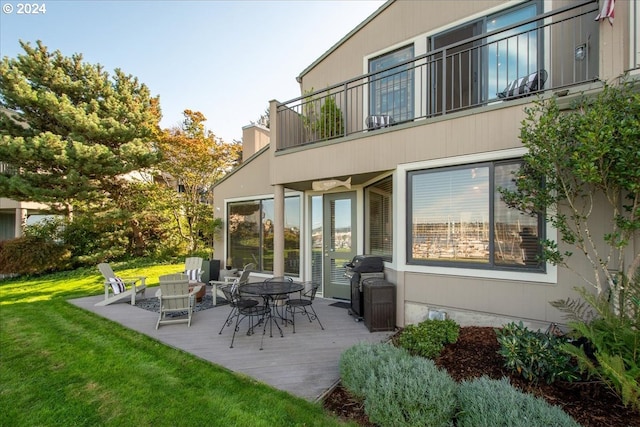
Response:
column 254, row 137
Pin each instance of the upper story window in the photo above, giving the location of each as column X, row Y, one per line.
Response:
column 514, row 53
column 391, row 92
column 475, row 72
column 457, row 218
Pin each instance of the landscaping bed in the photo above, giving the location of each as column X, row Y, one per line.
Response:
column 475, row 354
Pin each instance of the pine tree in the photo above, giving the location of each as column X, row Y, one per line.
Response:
column 68, row 130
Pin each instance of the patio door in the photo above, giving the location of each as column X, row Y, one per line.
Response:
column 339, row 242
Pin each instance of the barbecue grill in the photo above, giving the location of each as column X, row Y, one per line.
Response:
column 360, row 268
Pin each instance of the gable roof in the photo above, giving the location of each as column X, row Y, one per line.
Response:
column 344, row 39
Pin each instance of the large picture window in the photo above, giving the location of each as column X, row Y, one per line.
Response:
column 457, row 218
column 250, row 234
column 379, row 219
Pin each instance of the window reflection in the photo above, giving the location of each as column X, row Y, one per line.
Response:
column 250, row 234
column 453, row 219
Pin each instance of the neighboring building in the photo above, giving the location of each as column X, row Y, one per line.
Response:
column 400, row 155
column 14, row 215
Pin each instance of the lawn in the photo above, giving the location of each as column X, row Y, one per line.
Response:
column 60, row 365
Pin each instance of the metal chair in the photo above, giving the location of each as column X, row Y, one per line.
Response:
column 239, row 281
column 279, row 300
column 241, row 308
column 304, row 304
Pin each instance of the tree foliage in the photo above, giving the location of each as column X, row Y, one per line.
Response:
column 196, row 159
column 576, row 160
column 68, row 130
column 582, row 170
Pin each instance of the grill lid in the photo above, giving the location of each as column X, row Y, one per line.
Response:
column 366, row 264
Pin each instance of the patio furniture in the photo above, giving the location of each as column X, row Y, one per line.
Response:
column 378, row 121
column 279, row 300
column 176, row 299
column 524, row 86
column 237, row 280
column 193, row 269
column 118, row 286
column 267, row 290
column 304, row 305
column 241, row 308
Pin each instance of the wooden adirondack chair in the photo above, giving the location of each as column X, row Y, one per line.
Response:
column 193, row 269
column 118, row 286
column 175, row 297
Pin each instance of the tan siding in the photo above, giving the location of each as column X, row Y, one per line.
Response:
column 496, row 129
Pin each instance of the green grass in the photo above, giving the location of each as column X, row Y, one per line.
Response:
column 61, row 365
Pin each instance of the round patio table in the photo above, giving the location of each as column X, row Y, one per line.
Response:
column 268, row 290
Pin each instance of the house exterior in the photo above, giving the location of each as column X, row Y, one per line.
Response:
column 403, row 133
column 15, row 214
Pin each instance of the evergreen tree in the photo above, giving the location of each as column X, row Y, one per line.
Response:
column 68, row 130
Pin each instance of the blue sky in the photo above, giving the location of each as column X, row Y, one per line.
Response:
column 226, row 59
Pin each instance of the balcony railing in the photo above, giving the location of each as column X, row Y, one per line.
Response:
column 550, row 51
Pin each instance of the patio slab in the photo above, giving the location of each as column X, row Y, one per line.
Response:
column 304, row 364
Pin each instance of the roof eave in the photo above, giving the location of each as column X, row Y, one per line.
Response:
column 344, row 39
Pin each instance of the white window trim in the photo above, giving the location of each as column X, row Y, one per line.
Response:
column 400, row 256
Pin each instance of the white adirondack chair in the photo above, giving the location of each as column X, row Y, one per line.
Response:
column 175, row 297
column 239, row 281
column 115, row 288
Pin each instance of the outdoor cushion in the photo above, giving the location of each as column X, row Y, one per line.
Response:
column 378, row 121
column 525, row 85
column 117, row 284
column 194, row 275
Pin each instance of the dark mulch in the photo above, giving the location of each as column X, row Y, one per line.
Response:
column 475, row 354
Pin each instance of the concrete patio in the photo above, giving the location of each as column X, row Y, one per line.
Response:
column 304, row 364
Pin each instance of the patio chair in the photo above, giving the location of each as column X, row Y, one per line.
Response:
column 118, row 286
column 241, row 308
column 237, row 280
column 176, row 298
column 304, row 305
column 524, row 86
column 193, row 269
column 280, row 300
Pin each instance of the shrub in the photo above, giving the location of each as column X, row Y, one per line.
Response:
column 411, row 392
column 487, row 402
column 611, row 349
column 427, row 338
column 32, row 255
column 360, row 364
column 535, row 355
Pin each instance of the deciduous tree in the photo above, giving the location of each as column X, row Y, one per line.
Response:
column 577, row 159
column 196, row 159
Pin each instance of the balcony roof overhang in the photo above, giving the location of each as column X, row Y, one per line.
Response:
column 356, row 180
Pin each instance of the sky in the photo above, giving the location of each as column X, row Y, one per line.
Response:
column 226, row 59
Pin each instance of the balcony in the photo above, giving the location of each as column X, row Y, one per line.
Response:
column 550, row 51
